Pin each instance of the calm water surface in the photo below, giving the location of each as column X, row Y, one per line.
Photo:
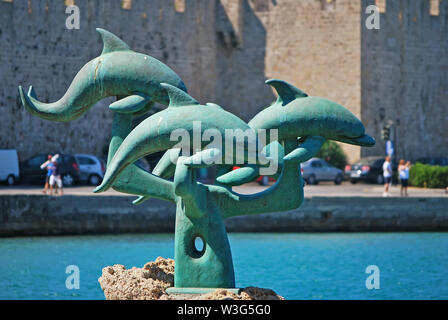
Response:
column 297, row 266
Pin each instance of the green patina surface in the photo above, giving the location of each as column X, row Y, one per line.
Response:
column 138, row 80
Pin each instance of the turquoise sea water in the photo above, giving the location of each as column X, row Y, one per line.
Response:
column 297, row 266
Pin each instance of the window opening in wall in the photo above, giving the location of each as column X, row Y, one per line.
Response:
column 381, row 4
column 328, row 5
column 260, row 5
column 179, row 5
column 434, row 7
column 126, row 4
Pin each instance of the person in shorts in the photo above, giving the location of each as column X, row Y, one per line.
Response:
column 387, row 174
column 55, row 179
column 49, row 173
column 403, row 171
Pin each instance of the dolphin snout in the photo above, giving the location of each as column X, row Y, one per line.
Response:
column 364, row 140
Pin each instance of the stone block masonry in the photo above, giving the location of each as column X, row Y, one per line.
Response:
column 405, row 77
column 38, row 50
column 26, row 215
column 225, row 50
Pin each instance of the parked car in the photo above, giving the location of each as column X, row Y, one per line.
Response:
column 264, row 180
column 437, row 161
column 316, row 170
column 91, row 169
column 368, row 169
column 9, row 166
column 30, row 170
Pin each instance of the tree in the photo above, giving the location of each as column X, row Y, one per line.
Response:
column 333, row 154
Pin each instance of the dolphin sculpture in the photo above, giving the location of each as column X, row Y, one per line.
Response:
column 307, row 120
column 154, row 135
column 118, row 71
column 135, row 79
column 295, row 114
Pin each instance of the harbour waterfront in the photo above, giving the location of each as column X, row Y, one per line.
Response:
column 295, row 265
column 38, row 215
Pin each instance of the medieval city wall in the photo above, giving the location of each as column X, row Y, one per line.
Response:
column 312, row 44
column 405, row 78
column 315, row 45
column 37, row 49
column 224, row 50
column 38, row 215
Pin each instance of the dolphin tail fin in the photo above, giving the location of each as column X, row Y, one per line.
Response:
column 32, row 93
column 37, row 108
column 111, row 42
column 286, row 92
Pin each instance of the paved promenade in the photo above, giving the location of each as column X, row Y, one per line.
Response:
column 323, row 189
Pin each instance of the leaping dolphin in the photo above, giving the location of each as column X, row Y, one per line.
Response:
column 312, row 120
column 133, row 77
column 295, row 115
column 118, row 71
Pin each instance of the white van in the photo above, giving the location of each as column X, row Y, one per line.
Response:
column 9, row 166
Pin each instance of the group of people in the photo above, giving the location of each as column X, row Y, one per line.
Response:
column 403, row 174
column 53, row 178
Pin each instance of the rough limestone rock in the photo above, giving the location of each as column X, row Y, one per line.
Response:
column 151, row 281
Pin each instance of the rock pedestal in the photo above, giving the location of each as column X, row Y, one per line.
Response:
column 152, row 281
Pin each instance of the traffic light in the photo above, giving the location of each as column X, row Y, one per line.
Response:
column 385, row 133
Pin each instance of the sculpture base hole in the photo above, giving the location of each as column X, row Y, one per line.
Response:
column 199, row 245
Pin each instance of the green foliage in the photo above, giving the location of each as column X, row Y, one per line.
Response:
column 428, row 176
column 333, row 154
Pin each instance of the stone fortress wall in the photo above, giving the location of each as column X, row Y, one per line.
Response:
column 37, row 49
column 75, row 215
column 405, row 77
column 224, row 50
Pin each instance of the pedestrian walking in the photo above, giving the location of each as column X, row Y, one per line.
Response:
column 403, row 171
column 387, row 174
column 47, row 177
column 55, row 178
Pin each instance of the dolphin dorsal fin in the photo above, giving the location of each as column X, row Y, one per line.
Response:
column 211, row 104
column 286, row 92
column 178, row 98
column 111, row 42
